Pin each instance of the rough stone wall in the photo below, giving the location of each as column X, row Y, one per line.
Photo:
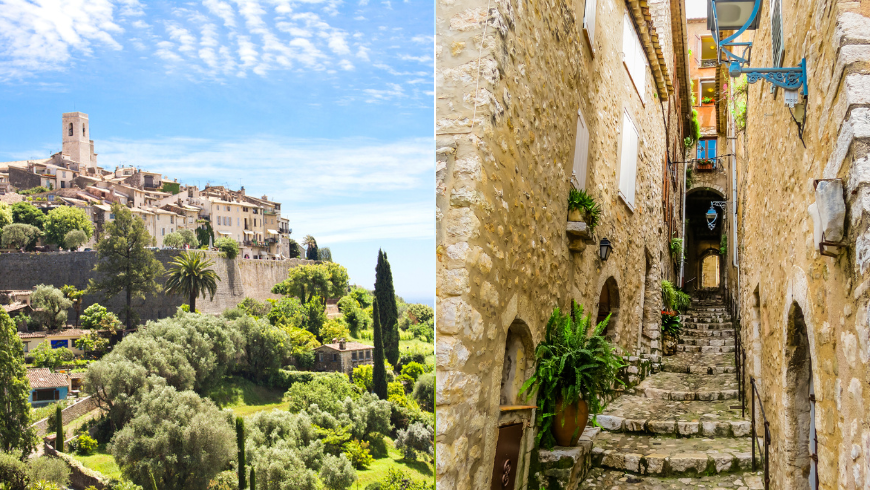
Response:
column 502, row 180
column 240, row 278
column 68, row 414
column 23, row 179
column 780, row 266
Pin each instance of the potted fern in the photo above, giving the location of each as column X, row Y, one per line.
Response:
column 575, row 375
column 672, row 327
column 581, row 207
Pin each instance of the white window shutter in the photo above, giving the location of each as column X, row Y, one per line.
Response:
column 581, row 152
column 627, row 43
column 640, row 68
column 628, row 161
column 589, row 20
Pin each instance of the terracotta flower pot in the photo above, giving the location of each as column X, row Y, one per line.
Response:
column 569, row 422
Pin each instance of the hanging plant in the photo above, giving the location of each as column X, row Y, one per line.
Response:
column 581, row 202
column 689, row 181
column 677, row 249
column 723, row 245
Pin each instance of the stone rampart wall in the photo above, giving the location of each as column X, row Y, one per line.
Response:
column 68, row 414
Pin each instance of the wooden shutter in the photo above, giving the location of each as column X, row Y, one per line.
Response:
column 628, row 50
column 589, row 21
column 628, row 161
column 634, row 56
column 581, row 151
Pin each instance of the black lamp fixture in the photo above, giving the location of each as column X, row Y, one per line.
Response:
column 605, row 249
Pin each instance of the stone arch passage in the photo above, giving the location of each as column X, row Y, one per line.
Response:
column 608, row 303
column 800, row 426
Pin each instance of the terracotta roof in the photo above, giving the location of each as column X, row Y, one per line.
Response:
column 31, row 335
column 77, row 375
column 44, row 378
column 18, row 305
column 69, row 332
column 349, row 346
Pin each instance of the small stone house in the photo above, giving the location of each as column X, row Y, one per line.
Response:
column 341, row 356
column 47, row 387
column 56, row 338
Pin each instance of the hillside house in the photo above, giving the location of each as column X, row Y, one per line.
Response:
column 47, row 387
column 341, row 356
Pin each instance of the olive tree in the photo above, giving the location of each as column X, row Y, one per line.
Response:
column 19, row 235
column 50, row 306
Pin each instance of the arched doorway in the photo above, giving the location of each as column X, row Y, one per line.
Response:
column 800, row 443
column 710, row 270
column 703, row 239
column 608, row 303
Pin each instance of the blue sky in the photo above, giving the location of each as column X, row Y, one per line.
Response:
column 324, row 105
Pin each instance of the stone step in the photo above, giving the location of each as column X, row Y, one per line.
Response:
column 642, row 415
column 720, row 326
column 706, row 341
column 707, row 349
column 607, row 479
column 649, row 455
column 698, row 363
column 707, row 318
column 707, row 309
column 688, row 387
column 707, row 333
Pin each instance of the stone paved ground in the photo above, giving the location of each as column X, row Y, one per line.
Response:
column 679, row 428
column 604, row 479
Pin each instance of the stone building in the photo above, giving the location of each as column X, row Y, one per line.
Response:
column 803, row 304
column 534, row 98
column 342, row 357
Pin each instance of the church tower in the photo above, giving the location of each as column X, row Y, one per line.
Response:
column 76, row 145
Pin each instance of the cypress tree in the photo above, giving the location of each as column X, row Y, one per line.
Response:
column 253, row 480
column 388, row 311
column 58, row 422
column 379, row 374
column 16, row 434
column 240, row 442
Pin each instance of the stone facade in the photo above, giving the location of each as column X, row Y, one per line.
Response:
column 511, row 76
column 240, row 278
column 804, row 316
column 342, row 357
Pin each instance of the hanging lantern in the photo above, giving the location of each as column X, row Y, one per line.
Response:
column 605, row 249
column 711, row 217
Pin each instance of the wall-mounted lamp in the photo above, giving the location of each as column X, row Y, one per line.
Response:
column 605, row 249
column 711, row 217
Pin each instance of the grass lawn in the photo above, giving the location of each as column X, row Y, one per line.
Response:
column 101, row 461
column 417, row 470
column 245, row 398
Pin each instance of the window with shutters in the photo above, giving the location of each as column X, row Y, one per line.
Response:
column 589, row 23
column 634, row 57
column 776, row 37
column 628, row 160
column 581, row 152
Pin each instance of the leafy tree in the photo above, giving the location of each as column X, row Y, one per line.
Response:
column 19, row 235
column 177, row 438
column 293, row 251
column 25, row 213
column 424, row 392
column 288, row 311
column 387, row 312
column 258, row 309
column 93, row 343
column 5, row 215
column 327, row 280
column 358, row 454
column 173, row 240
column 413, row 370
column 316, row 317
column 74, row 239
column 327, row 392
column 16, row 435
column 228, row 246
column 97, row 317
column 379, row 374
column 311, row 247
column 125, row 265
column 420, row 313
column 190, row 275
column 33, row 190
column 64, row 219
column 356, row 318
column 75, row 295
column 46, row 357
column 417, row 438
column 58, row 424
column 334, row 329
column 266, row 346
column 204, row 233
column 50, row 306
column 362, row 296
column 53, row 470
column 324, row 254
column 240, row 444
column 337, row 472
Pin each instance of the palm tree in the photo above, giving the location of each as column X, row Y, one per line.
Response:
column 189, row 274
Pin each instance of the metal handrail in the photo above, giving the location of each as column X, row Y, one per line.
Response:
column 766, row 435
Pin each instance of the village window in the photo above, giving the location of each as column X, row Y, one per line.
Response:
column 707, row 91
column 171, row 220
column 589, row 22
column 45, row 395
column 163, row 232
column 26, row 346
column 353, row 356
column 320, row 356
column 634, row 57
column 628, row 160
column 707, row 148
column 707, row 54
column 70, row 129
column 581, row 151
column 84, row 133
column 335, row 357
column 368, row 354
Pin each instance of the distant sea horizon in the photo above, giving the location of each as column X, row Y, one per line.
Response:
column 426, row 300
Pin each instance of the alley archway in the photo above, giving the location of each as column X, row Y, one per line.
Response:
column 800, row 442
column 608, row 303
column 709, row 269
column 703, row 239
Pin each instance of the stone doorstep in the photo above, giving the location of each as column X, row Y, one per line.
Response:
column 697, row 369
column 706, row 341
column 679, row 428
column 651, row 461
column 705, row 349
column 689, row 395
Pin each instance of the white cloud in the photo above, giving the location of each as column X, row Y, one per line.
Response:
column 421, row 59
column 223, row 10
column 164, row 50
column 423, row 39
column 337, row 43
column 182, row 36
column 363, row 53
column 395, row 91
column 346, row 65
column 247, row 51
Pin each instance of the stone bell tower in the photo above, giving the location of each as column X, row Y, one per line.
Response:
column 76, row 145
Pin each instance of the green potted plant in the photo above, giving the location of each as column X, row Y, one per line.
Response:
column 671, row 329
column 581, row 207
column 575, row 375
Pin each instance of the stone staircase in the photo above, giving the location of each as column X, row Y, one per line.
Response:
column 680, row 427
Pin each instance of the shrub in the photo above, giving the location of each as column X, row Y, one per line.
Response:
column 45, row 485
column 46, row 357
column 424, row 392
column 378, row 445
column 49, row 469
column 397, row 479
column 358, row 454
column 287, row 312
column 396, row 395
column 85, row 444
column 417, row 438
column 13, row 472
column 363, row 377
column 334, row 329
column 413, row 370
column 255, row 308
column 225, row 480
column 228, row 246
column 337, row 472
column 19, row 235
column 74, row 239
column 327, row 392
